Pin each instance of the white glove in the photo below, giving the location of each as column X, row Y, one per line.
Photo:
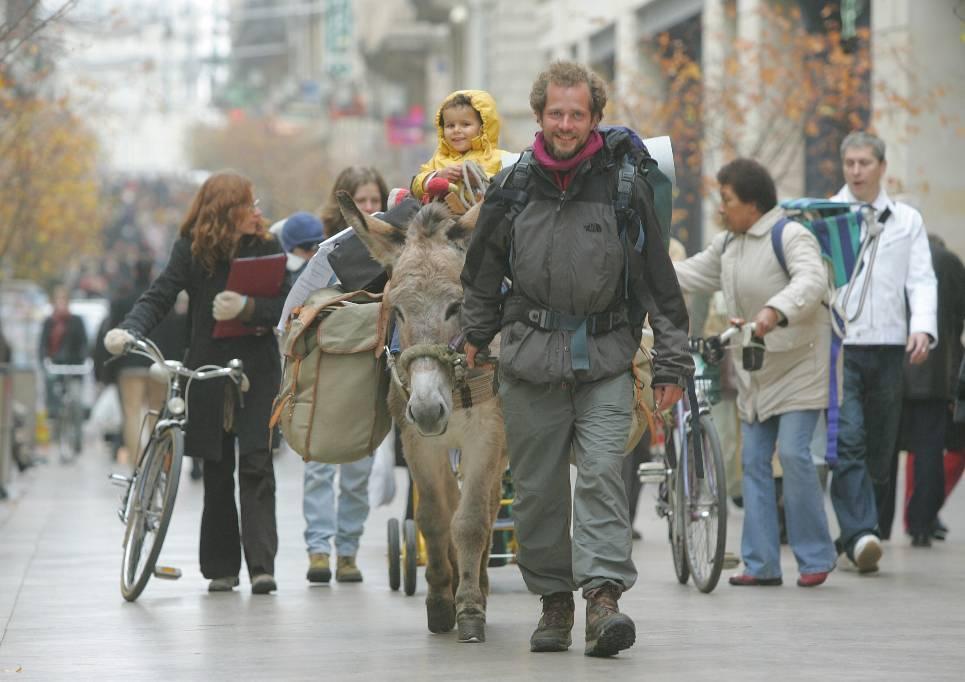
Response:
column 228, row 305
column 116, row 340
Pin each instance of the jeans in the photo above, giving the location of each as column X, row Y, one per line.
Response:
column 867, row 431
column 807, row 524
column 322, row 520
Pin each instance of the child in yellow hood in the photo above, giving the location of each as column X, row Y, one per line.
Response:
column 468, row 128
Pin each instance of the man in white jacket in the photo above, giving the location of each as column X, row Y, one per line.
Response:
column 875, row 347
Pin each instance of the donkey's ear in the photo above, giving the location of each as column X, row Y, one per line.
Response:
column 461, row 231
column 383, row 240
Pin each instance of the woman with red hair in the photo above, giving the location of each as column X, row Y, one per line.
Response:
column 224, row 223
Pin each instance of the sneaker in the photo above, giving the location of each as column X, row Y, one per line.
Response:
column 225, row 584
column 263, row 583
column 555, row 625
column 867, row 553
column 607, row 630
column 319, row 569
column 346, row 571
column 812, row 579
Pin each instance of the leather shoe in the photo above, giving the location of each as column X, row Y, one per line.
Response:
column 812, row 579
column 920, row 540
column 747, row 580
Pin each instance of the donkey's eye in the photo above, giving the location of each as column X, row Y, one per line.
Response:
column 398, row 314
column 453, row 309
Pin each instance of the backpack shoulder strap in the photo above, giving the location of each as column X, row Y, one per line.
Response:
column 777, row 243
column 518, row 177
column 626, row 177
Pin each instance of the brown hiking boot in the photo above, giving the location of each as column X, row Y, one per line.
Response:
column 319, row 570
column 553, row 631
column 607, row 630
column 346, row 571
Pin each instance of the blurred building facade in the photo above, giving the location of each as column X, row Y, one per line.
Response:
column 915, row 48
column 143, row 73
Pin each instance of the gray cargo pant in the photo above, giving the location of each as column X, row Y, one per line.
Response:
column 544, row 422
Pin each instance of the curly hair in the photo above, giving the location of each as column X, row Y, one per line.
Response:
column 350, row 179
column 568, row 75
column 217, row 208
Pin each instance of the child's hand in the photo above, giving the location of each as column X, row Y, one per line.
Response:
column 452, row 173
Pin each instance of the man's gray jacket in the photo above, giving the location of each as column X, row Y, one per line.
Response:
column 563, row 251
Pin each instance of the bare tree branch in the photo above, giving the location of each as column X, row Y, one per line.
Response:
column 8, row 30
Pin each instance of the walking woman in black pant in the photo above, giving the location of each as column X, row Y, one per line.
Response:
column 224, row 223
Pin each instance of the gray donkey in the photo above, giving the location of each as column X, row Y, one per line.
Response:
column 440, row 404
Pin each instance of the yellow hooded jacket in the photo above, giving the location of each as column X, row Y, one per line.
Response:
column 484, row 146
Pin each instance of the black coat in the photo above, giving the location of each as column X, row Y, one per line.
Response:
column 73, row 349
column 937, row 376
column 259, row 353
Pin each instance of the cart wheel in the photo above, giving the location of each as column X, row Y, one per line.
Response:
column 409, row 556
column 395, row 556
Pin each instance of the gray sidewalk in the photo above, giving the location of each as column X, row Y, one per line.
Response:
column 62, row 615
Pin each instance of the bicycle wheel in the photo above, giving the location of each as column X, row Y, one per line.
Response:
column 155, row 488
column 675, row 517
column 705, row 509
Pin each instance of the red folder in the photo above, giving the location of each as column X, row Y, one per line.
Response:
column 260, row 276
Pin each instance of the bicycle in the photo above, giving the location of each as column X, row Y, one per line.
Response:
column 690, row 469
column 65, row 393
column 148, row 502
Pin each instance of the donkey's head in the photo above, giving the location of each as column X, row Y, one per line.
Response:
column 424, row 261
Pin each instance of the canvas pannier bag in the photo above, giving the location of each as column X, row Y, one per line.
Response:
column 643, row 405
column 332, row 406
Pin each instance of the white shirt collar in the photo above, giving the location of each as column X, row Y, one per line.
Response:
column 881, row 202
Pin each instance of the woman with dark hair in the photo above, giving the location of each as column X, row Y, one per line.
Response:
column 335, row 512
column 224, row 223
column 368, row 190
column 779, row 403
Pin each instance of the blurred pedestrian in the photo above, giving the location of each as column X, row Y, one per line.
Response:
column 780, row 402
column 330, row 517
column 898, row 318
column 368, row 191
column 63, row 341
column 223, row 223
column 927, row 427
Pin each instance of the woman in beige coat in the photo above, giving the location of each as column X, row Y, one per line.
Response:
column 778, row 404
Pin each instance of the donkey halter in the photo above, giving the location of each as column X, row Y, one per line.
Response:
column 468, row 388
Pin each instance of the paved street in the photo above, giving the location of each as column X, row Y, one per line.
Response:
column 62, row 615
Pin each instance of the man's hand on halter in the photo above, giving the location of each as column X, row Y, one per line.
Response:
column 666, row 396
column 471, row 352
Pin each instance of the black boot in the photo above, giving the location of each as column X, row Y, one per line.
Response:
column 607, row 630
column 555, row 625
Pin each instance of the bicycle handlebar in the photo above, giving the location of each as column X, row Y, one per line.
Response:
column 145, row 348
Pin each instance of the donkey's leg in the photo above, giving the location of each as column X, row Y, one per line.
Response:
column 438, row 496
column 472, row 530
column 497, row 495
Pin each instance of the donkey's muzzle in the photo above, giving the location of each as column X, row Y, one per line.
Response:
column 430, row 417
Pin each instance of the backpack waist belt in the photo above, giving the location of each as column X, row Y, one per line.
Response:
column 519, row 309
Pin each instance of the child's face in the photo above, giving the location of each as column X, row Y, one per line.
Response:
column 460, row 125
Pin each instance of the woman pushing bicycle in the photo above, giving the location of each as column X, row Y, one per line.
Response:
column 224, row 223
column 780, row 401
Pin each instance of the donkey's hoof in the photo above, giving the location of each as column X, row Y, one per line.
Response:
column 441, row 613
column 472, row 626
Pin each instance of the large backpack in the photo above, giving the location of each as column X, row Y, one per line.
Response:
column 332, row 405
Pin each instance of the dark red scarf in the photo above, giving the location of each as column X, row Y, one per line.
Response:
column 562, row 169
